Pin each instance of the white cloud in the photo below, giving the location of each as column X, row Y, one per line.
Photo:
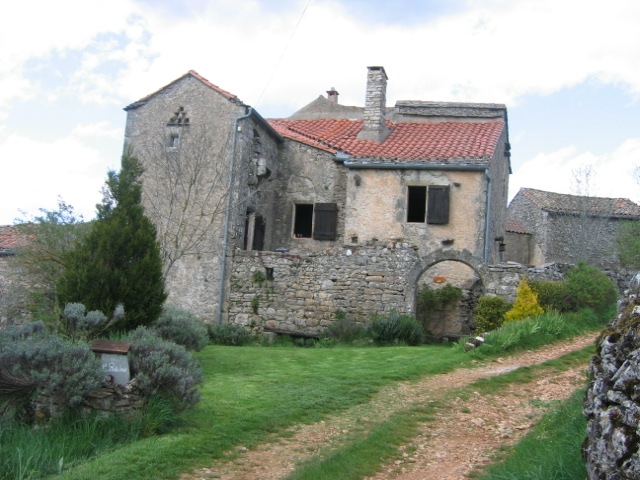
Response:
column 35, row 174
column 555, row 171
column 494, row 51
column 99, row 129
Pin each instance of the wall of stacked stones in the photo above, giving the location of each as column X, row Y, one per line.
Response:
column 110, row 398
column 303, row 291
column 612, row 401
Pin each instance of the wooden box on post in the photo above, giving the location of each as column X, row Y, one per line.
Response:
column 114, row 358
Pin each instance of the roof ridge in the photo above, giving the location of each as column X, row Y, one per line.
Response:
column 228, row 95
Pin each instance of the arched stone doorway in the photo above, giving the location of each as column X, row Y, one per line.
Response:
column 448, row 268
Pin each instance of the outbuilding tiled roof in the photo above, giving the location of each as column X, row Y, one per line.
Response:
column 563, row 203
column 512, row 226
column 426, row 142
column 11, row 238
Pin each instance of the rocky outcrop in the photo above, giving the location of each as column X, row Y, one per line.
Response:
column 612, row 404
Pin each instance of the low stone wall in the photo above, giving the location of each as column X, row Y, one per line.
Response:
column 303, row 291
column 109, row 399
column 612, row 402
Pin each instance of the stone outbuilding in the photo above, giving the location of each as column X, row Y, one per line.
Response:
column 546, row 227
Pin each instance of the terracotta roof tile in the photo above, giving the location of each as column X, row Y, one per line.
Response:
column 515, row 227
column 11, row 238
column 448, row 142
column 563, row 203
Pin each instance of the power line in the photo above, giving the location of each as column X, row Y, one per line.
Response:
column 277, row 64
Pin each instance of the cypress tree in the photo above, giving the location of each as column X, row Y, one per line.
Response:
column 118, row 262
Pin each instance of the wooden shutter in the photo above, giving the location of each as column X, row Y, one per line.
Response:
column 325, row 223
column 438, row 205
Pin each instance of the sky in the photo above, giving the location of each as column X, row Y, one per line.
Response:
column 567, row 70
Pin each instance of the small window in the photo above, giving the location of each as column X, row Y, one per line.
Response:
column 428, row 203
column 174, row 140
column 303, row 220
column 416, row 204
column 318, row 221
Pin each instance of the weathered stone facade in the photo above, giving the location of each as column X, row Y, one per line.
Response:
column 206, row 157
column 612, row 403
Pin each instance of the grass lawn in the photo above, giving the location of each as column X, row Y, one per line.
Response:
column 251, row 392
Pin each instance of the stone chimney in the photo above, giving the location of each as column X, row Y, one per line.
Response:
column 374, row 127
column 332, row 95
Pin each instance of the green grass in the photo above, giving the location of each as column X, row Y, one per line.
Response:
column 551, row 451
column 253, row 393
column 535, row 332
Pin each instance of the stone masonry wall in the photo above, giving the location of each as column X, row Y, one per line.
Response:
column 612, row 403
column 303, row 292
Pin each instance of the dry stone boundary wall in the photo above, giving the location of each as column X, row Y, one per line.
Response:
column 612, row 403
column 303, row 291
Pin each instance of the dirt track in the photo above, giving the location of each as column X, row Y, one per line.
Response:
column 464, row 435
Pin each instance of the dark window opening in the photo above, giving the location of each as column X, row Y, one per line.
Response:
column 303, row 220
column 416, row 204
column 258, row 233
column 174, row 140
column 318, row 221
column 438, row 205
column 268, row 272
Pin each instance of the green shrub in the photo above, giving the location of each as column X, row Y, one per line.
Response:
column 588, row 287
column 437, row 298
column 182, row 327
column 489, row 313
column 163, row 367
column 395, row 328
column 33, row 362
column 553, row 295
column 229, row 334
column 343, row 329
column 526, row 304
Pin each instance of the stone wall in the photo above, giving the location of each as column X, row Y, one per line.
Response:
column 109, row 399
column 303, row 291
column 612, row 403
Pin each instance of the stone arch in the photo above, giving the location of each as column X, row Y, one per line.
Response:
column 456, row 322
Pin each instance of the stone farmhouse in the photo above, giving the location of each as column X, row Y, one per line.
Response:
column 334, row 208
column 545, row 227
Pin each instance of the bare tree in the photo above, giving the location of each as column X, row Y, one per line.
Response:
column 591, row 227
column 187, row 185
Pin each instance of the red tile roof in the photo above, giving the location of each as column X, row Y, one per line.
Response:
column 427, row 142
column 515, row 227
column 11, row 238
column 563, row 203
column 195, row 75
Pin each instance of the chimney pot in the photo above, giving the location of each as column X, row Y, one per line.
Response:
column 332, row 95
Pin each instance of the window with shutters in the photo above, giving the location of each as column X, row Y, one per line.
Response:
column 430, row 204
column 318, row 221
